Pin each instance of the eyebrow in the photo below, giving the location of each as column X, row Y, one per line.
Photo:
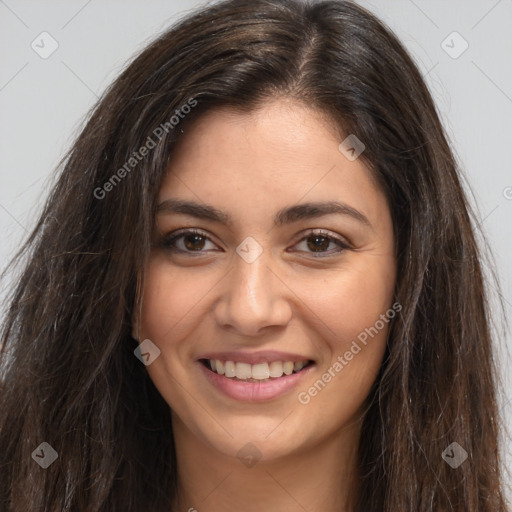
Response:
column 287, row 215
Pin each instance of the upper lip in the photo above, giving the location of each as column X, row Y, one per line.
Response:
column 266, row 356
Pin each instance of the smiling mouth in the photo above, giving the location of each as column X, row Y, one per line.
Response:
column 261, row 372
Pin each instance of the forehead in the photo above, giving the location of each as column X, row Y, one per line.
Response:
column 281, row 132
column 280, row 154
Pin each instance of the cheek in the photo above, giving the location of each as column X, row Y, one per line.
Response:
column 353, row 298
column 171, row 299
column 357, row 309
column 169, row 314
column 349, row 302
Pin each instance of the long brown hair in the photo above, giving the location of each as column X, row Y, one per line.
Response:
column 69, row 375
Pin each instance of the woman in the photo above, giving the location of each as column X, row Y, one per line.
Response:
column 255, row 286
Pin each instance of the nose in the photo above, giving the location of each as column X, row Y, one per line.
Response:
column 253, row 297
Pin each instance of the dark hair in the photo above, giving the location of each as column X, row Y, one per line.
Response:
column 70, row 377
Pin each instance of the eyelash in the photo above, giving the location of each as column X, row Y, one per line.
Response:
column 168, row 242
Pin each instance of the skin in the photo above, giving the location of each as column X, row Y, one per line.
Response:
column 251, row 166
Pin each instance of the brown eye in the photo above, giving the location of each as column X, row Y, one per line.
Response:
column 319, row 242
column 193, row 242
column 190, row 241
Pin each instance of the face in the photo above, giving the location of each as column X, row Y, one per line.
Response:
column 290, row 301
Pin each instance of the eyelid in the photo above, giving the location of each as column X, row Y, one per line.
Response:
column 167, row 240
column 324, row 232
column 342, row 242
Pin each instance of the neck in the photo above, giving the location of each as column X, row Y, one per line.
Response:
column 321, row 478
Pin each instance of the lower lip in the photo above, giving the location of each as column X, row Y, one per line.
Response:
column 254, row 391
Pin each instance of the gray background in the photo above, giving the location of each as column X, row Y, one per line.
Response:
column 43, row 101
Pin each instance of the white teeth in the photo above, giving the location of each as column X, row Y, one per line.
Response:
column 288, row 367
column 229, row 369
column 276, row 368
column 243, row 371
column 260, row 371
column 220, row 367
